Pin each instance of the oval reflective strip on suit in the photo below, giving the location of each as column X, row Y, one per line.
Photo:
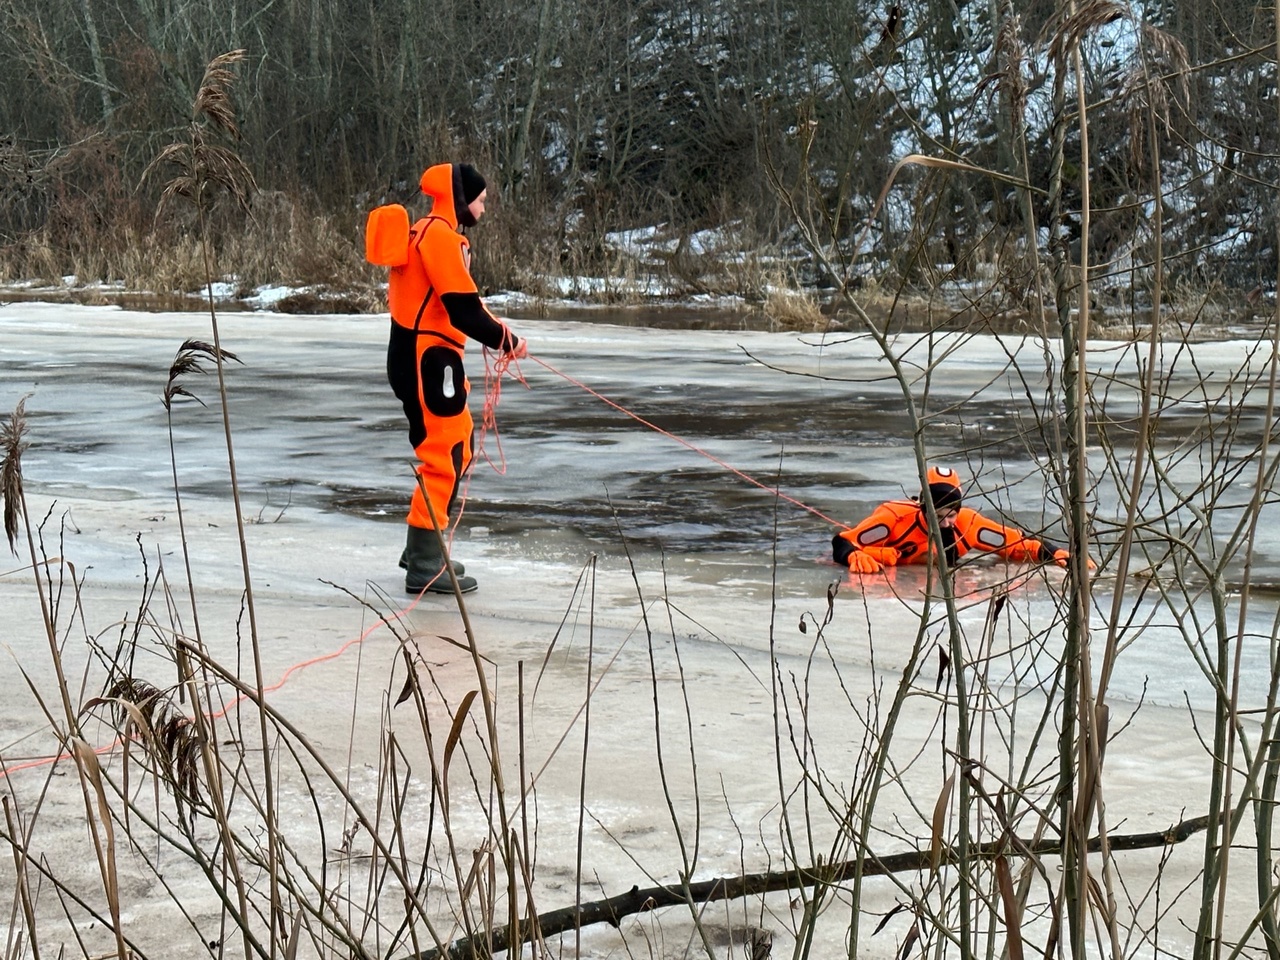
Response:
column 873, row 534
column 991, row 538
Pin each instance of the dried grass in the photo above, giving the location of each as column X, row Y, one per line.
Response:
column 143, row 712
column 1085, row 19
column 34, row 257
column 163, row 260
column 286, row 243
column 790, row 309
column 1159, row 85
column 289, row 241
column 13, row 443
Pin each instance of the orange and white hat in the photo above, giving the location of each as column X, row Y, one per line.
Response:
column 944, row 487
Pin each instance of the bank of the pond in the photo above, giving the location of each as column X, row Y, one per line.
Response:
column 954, row 308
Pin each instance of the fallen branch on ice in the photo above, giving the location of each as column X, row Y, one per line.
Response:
column 611, row 910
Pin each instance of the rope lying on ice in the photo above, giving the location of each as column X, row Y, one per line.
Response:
column 692, row 446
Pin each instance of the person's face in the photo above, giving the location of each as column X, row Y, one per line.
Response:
column 476, row 206
column 947, row 517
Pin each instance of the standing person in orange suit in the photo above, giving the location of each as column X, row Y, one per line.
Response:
column 435, row 309
column 898, row 532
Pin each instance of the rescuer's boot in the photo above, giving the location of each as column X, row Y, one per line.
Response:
column 458, row 568
column 424, row 565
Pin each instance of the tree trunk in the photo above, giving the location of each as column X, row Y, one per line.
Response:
column 99, row 65
column 515, row 169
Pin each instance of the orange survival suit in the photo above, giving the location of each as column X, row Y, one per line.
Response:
column 898, row 532
column 435, row 308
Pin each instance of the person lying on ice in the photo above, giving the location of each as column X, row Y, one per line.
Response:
column 898, row 532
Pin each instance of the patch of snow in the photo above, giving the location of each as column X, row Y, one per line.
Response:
column 266, row 297
column 220, row 289
column 638, row 242
column 607, row 286
column 708, row 241
column 556, row 151
column 717, row 299
column 505, row 300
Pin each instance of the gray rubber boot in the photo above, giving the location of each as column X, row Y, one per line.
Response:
column 424, row 565
column 458, row 568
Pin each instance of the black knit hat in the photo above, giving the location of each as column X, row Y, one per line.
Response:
column 472, row 183
column 944, row 488
column 945, row 496
column 467, row 185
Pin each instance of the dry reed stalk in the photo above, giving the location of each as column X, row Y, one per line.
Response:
column 205, row 168
column 688, row 861
column 1090, row 793
column 13, row 442
column 1254, row 514
column 294, row 738
column 22, row 887
column 186, row 361
column 582, row 774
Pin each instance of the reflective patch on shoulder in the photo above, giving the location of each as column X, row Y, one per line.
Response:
column 873, row 535
column 991, row 538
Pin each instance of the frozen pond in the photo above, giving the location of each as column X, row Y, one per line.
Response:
column 316, row 428
column 325, row 470
column 316, row 425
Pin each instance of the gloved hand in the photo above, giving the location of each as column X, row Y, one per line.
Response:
column 1060, row 557
column 860, row 562
column 885, row 556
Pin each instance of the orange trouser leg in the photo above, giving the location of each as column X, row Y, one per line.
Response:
column 445, row 456
column 429, row 381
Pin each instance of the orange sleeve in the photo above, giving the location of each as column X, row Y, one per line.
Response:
column 445, row 255
column 870, row 533
column 982, row 533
